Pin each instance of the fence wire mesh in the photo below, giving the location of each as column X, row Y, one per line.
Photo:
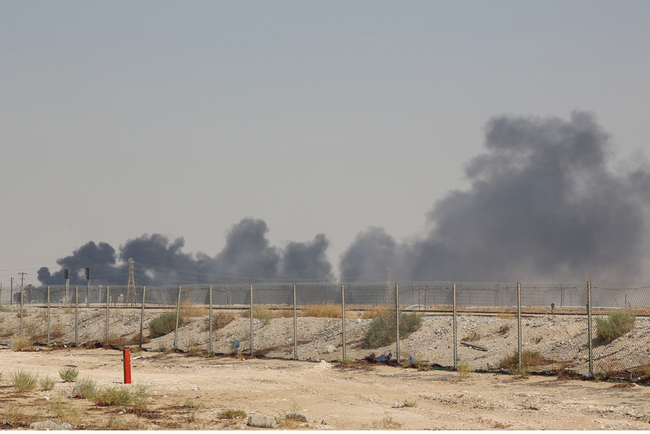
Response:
column 551, row 327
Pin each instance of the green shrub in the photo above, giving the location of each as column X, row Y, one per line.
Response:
column 47, row 383
column 23, row 381
column 84, row 389
column 118, row 396
column 464, row 369
column 68, row 375
column 615, row 325
column 382, row 328
column 163, row 324
column 121, row 397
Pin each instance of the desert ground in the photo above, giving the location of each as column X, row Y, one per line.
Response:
column 191, row 392
column 190, row 389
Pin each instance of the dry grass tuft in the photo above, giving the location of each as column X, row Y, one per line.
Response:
column 261, row 313
column 374, row 312
column 22, row 343
column 23, row 381
column 504, row 315
column 322, row 310
column 231, row 414
column 222, row 319
column 190, row 309
column 69, row 374
column 464, row 369
column 529, row 358
column 15, row 417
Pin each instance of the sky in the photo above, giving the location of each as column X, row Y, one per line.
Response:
column 343, row 118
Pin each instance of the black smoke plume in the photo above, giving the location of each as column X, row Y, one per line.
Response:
column 544, row 203
column 247, row 257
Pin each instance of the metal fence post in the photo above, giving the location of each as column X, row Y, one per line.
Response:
column 343, row 319
column 178, row 314
column 210, row 347
column 454, row 324
column 48, row 315
column 252, row 348
column 295, row 324
column 108, row 317
column 519, row 349
column 76, row 316
column 397, row 321
column 144, row 290
column 591, row 347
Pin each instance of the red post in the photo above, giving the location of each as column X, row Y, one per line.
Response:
column 127, row 366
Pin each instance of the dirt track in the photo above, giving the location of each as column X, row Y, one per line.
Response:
column 189, row 392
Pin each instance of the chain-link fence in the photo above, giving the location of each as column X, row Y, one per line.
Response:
column 491, row 326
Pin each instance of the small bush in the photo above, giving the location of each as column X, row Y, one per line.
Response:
column 382, row 329
column 68, row 375
column 22, row 343
column 23, row 381
column 112, row 396
column 164, row 324
column 222, row 319
column 121, row 397
column 84, row 389
column 231, row 414
column 47, row 383
column 4, row 309
column 139, row 400
column 528, row 358
column 615, row 325
column 65, row 411
column 261, row 313
column 14, row 417
column 464, row 369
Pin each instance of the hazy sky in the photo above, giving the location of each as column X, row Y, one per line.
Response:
column 181, row 118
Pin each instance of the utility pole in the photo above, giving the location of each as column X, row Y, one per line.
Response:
column 11, row 293
column 87, row 286
column 22, row 300
column 67, row 285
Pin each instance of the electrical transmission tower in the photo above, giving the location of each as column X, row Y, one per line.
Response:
column 130, row 286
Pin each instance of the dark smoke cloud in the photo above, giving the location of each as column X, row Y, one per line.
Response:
column 302, row 261
column 248, row 253
column 246, row 257
column 543, row 204
column 370, row 254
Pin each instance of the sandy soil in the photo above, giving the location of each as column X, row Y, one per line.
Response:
column 189, row 392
